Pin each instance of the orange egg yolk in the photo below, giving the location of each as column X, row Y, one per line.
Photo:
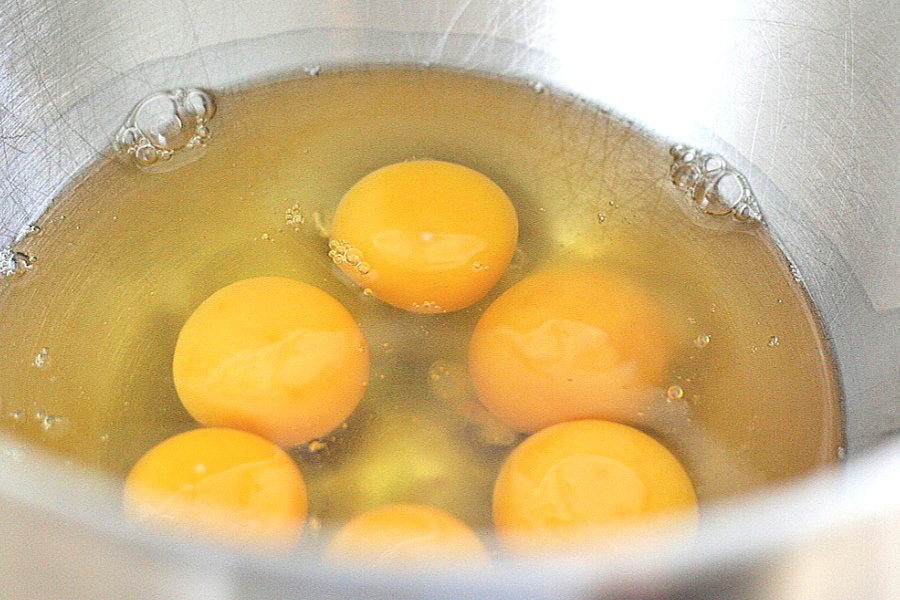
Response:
column 223, row 484
column 426, row 236
column 568, row 344
column 273, row 356
column 584, row 483
column 406, row 535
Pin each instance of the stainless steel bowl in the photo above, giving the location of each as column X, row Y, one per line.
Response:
column 802, row 97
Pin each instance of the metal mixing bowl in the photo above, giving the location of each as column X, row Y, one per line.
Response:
column 800, row 96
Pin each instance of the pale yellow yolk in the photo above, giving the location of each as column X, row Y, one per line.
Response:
column 584, row 483
column 273, row 356
column 568, row 344
column 426, row 236
column 406, row 535
column 226, row 485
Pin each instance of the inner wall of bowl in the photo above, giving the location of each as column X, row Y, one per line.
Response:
column 705, row 76
column 796, row 96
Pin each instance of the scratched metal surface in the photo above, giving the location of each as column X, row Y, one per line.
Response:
column 801, row 96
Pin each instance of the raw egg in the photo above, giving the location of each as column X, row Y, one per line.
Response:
column 406, row 535
column 224, row 484
column 584, row 483
column 274, row 356
column 426, row 236
column 568, row 344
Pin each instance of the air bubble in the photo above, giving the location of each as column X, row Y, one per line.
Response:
column 42, row 359
column 16, row 415
column 601, row 218
column 477, row 266
column 294, row 217
column 685, row 176
column 728, row 189
column 57, row 423
column 16, row 263
column 675, row 392
column 715, row 186
column 200, row 103
column 146, row 155
column 702, row 341
column 538, row 87
column 166, row 129
column 743, row 212
column 714, row 163
column 683, row 153
column 313, row 71
column 773, row 342
column 341, row 252
column 710, row 200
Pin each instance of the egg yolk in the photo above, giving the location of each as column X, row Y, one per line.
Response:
column 426, row 236
column 223, row 484
column 406, row 535
column 568, row 344
column 583, row 483
column 273, row 356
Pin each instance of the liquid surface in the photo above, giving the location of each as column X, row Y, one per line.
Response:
column 122, row 259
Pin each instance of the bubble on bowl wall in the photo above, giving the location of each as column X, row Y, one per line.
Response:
column 715, row 187
column 14, row 262
column 167, row 129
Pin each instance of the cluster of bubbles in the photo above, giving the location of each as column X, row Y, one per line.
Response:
column 13, row 262
column 42, row 358
column 294, row 216
column 166, row 129
column 38, row 419
column 427, row 305
column 715, row 186
column 342, row 253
